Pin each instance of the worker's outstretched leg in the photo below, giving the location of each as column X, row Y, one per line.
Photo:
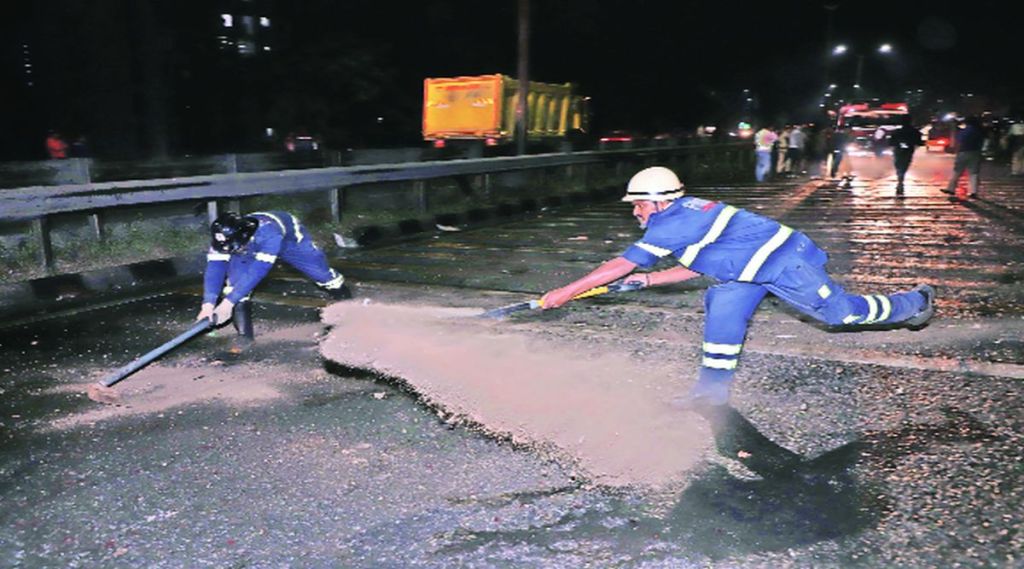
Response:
column 808, row 288
column 312, row 262
column 727, row 310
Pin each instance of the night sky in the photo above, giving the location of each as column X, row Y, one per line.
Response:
column 648, row 65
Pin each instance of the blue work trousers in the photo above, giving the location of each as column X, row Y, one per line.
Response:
column 764, row 164
column 804, row 284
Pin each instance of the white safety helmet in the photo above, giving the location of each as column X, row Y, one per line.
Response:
column 656, row 184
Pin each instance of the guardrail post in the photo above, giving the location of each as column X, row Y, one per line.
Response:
column 96, row 223
column 231, row 163
column 41, row 227
column 211, row 210
column 337, row 198
column 419, row 187
column 485, row 185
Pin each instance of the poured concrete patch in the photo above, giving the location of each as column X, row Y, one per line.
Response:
column 605, row 410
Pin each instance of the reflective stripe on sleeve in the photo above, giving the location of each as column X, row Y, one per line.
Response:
column 653, row 249
column 824, row 291
column 266, row 257
column 755, row 263
column 275, row 218
column 722, row 349
column 211, row 256
column 691, row 252
column 718, row 364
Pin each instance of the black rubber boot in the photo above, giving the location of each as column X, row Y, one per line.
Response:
column 242, row 319
column 920, row 320
column 340, row 293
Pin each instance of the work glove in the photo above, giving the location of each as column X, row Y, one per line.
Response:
column 222, row 314
column 206, row 311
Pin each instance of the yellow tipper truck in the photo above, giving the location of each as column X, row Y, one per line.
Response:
column 483, row 107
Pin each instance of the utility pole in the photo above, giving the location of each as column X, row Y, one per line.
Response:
column 830, row 10
column 860, row 72
column 524, row 77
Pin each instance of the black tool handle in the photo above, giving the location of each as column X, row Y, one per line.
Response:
column 197, row 329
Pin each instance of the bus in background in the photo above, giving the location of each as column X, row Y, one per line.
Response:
column 864, row 121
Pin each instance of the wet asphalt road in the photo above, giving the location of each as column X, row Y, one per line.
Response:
column 878, row 449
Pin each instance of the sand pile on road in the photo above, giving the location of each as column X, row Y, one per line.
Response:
column 163, row 386
column 160, row 388
column 608, row 412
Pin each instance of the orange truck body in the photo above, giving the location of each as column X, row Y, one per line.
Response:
column 484, row 107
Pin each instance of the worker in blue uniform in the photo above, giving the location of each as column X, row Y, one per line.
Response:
column 750, row 255
column 243, row 249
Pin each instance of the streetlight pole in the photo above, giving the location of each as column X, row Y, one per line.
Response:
column 524, row 78
column 830, row 9
column 860, row 71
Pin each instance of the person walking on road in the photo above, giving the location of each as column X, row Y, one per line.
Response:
column 243, row 249
column 782, row 153
column 764, row 139
column 1015, row 146
column 750, row 256
column 904, row 142
column 841, row 165
column 795, row 151
column 969, row 141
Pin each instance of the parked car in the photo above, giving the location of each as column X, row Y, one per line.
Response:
column 940, row 137
column 617, row 139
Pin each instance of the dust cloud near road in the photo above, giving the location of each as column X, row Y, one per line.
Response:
column 607, row 412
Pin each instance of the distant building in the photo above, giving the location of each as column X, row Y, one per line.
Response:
column 138, row 78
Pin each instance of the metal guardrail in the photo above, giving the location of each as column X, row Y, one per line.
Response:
column 37, row 202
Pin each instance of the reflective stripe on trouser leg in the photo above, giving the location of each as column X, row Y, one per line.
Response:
column 809, row 289
column 728, row 308
column 312, row 262
column 335, row 283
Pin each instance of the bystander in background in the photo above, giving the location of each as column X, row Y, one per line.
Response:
column 904, row 142
column 969, row 142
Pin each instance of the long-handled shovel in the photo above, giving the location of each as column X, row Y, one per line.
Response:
column 101, row 391
column 538, row 303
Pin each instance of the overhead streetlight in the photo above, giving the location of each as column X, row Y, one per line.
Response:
column 885, row 48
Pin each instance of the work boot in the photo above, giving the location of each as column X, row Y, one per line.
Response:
column 707, row 392
column 242, row 320
column 340, row 293
column 919, row 320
